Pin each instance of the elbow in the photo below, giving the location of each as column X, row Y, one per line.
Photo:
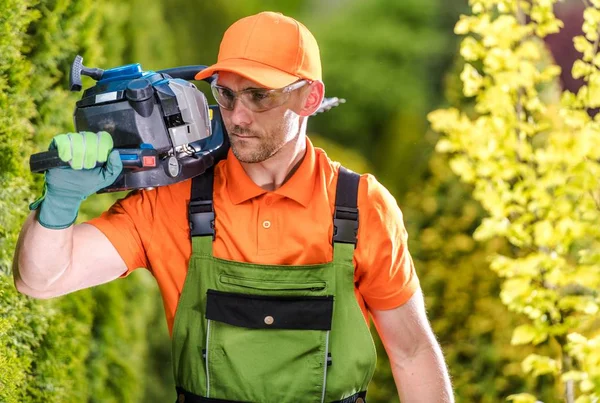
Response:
column 410, row 351
column 24, row 289
column 39, row 292
column 33, row 293
column 409, row 354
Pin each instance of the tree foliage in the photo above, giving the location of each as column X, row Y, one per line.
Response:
column 533, row 163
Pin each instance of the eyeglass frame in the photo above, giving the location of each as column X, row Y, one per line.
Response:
column 236, row 94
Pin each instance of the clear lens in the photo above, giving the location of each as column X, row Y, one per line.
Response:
column 262, row 100
column 255, row 99
column 224, row 96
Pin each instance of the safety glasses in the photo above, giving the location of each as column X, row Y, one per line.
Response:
column 255, row 99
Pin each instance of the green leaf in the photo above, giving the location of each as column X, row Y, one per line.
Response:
column 515, row 288
column 584, row 304
column 540, row 365
column 576, row 376
column 522, row 398
column 581, row 69
column 584, row 399
column 586, row 386
column 523, row 334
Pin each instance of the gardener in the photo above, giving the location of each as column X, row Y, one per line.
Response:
column 269, row 264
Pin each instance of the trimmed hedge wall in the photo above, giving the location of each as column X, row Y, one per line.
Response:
column 90, row 345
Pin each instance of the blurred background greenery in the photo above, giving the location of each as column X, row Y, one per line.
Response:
column 393, row 61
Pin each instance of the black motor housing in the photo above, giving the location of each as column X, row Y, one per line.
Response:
column 210, row 151
column 152, row 111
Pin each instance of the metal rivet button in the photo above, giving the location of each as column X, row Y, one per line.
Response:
column 360, row 400
column 269, row 320
column 181, row 398
column 266, row 224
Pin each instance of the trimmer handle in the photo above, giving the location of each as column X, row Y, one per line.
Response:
column 132, row 158
column 77, row 69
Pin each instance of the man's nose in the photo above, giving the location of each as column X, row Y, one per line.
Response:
column 241, row 115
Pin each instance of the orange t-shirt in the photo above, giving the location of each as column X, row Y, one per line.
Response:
column 292, row 225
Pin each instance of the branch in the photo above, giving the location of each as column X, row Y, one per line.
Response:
column 596, row 202
column 567, row 365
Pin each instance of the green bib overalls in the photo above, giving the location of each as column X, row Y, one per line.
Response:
column 271, row 334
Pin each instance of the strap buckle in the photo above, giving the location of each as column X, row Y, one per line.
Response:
column 201, row 218
column 345, row 225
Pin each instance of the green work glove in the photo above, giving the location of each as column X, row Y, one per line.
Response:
column 65, row 187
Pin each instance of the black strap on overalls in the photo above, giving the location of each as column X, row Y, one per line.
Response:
column 201, row 213
column 345, row 215
column 201, row 216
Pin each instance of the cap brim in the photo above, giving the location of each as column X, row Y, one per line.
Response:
column 262, row 74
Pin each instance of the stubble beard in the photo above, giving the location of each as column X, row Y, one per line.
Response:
column 259, row 148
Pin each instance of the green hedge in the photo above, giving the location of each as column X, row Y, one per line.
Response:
column 15, row 128
column 91, row 345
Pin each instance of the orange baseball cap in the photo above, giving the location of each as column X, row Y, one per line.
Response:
column 268, row 48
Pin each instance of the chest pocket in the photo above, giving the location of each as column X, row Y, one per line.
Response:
column 279, row 344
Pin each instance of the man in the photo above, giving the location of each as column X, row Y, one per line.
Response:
column 270, row 301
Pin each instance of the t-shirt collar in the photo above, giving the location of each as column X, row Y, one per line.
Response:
column 299, row 187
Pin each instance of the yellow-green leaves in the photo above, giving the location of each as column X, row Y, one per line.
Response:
column 540, row 365
column 591, row 17
column 528, row 334
column 533, row 159
column 467, row 24
column 515, row 289
column 581, row 69
column 579, row 303
column 471, row 49
column 542, row 14
column 471, row 79
column 522, row 398
column 588, row 353
column 584, row 46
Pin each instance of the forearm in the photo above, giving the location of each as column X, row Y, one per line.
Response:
column 42, row 255
column 423, row 377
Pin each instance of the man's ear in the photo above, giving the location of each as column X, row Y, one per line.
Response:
column 313, row 99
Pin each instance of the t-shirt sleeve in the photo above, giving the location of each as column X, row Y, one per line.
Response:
column 385, row 273
column 128, row 226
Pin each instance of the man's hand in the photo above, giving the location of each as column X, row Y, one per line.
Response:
column 66, row 188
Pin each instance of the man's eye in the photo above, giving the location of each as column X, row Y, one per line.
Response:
column 226, row 93
column 259, row 95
